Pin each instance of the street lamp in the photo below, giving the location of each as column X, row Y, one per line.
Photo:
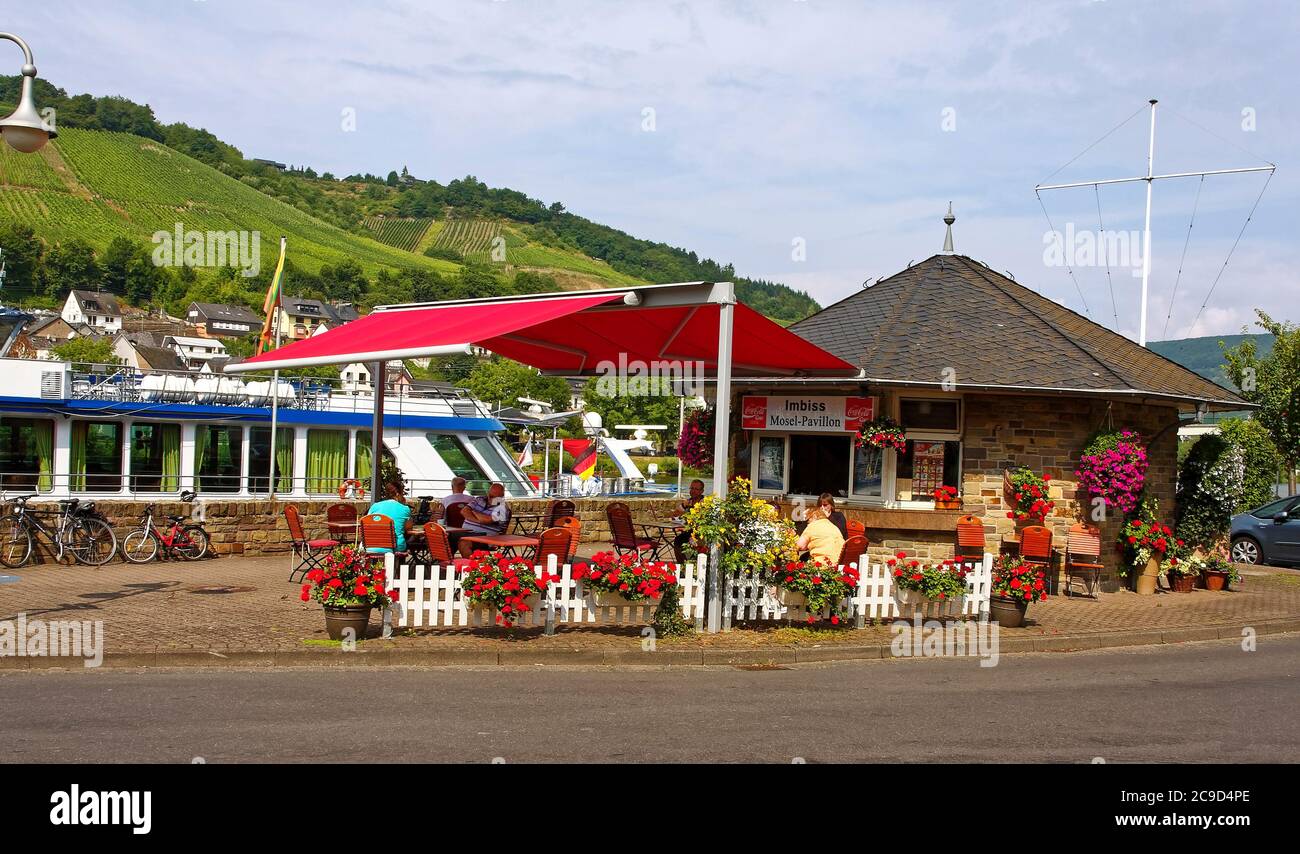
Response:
column 23, row 128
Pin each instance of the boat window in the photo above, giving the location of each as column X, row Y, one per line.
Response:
column 96, row 456
column 27, row 453
column 259, row 459
column 459, row 460
column 503, row 469
column 155, row 457
column 327, row 460
column 218, row 457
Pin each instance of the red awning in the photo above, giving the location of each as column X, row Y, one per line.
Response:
column 567, row 334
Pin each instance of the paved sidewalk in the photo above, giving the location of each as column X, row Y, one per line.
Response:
column 243, row 610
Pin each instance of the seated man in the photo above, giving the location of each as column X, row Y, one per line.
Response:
column 458, row 495
column 679, row 542
column 821, row 539
column 487, row 515
column 394, row 507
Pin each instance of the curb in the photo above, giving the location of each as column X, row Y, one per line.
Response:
column 757, row 657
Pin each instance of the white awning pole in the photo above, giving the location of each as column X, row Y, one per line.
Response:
column 377, row 380
column 721, row 446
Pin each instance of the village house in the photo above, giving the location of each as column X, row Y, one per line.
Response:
column 355, row 378
column 194, row 353
column 212, row 320
column 984, row 376
column 139, row 350
column 99, row 311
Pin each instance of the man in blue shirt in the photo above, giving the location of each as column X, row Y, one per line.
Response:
column 394, row 507
column 487, row 515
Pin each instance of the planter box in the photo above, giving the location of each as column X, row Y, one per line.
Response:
column 954, row 504
column 606, row 599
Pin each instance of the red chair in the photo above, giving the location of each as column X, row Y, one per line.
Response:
column 377, row 532
column 854, row 547
column 574, row 526
column 1036, row 549
column 341, row 519
column 437, row 544
column 560, row 508
column 553, row 541
column 970, row 537
column 855, row 528
column 306, row 551
column 1083, row 557
column 455, row 517
column 622, row 531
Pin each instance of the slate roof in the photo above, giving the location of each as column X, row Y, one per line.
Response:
column 950, row 311
column 107, row 303
column 160, row 358
column 229, row 313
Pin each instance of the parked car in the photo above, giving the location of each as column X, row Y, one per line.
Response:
column 1269, row 534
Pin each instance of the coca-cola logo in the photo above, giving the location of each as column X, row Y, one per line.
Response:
column 755, row 408
column 858, row 410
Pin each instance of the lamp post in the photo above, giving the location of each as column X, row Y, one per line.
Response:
column 23, row 128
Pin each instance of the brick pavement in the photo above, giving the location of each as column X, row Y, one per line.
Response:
column 246, row 605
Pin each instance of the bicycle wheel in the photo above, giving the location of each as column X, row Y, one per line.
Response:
column 15, row 542
column 191, row 542
column 91, row 541
column 140, row 546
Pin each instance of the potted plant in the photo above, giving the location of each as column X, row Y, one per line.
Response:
column 1015, row 585
column 1179, row 568
column 1143, row 540
column 1113, row 467
column 819, row 588
column 882, row 433
column 349, row 583
column 695, row 444
column 751, row 533
column 917, row 584
column 1219, row 572
column 505, row 584
column 1027, row 495
column 614, row 580
column 946, row 498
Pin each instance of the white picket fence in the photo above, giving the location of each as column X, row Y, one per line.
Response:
column 746, row 598
column 431, row 596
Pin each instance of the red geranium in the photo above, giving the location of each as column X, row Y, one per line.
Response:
column 501, row 583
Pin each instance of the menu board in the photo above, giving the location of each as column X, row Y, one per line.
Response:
column 927, row 468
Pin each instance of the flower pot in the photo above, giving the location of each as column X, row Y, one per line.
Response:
column 1145, row 579
column 1007, row 612
column 355, row 617
column 607, row 599
column 954, row 504
column 1181, row 583
column 1215, row 580
column 910, row 598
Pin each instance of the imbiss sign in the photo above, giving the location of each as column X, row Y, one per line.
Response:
column 807, row 414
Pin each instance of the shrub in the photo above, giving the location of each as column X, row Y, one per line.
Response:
column 941, row 581
column 1260, row 456
column 1210, row 483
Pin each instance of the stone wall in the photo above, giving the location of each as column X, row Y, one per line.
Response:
column 257, row 527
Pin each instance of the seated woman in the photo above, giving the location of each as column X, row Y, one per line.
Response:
column 826, row 503
column 394, row 507
column 821, row 539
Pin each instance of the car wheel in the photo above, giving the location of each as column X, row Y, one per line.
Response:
column 1247, row 550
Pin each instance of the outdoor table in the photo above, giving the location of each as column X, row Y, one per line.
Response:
column 342, row 532
column 529, row 523
column 664, row 535
column 508, row 542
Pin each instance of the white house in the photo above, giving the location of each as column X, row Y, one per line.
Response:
column 98, row 311
column 195, row 352
column 356, row 378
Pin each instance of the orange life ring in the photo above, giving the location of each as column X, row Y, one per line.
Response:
column 358, row 490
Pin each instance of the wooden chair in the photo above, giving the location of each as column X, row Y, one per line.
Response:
column 855, row 528
column 306, row 551
column 553, row 541
column 1036, row 549
column 622, row 531
column 970, row 537
column 341, row 519
column 455, row 515
column 854, row 547
column 560, row 508
column 377, row 532
column 1083, row 557
column 437, row 544
column 574, row 527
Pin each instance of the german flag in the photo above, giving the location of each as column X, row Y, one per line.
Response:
column 583, row 452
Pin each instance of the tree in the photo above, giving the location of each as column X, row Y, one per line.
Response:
column 392, row 179
column 1273, row 383
column 504, row 380
column 86, row 350
column 347, row 281
column 115, row 261
column 23, row 252
column 1263, row 462
column 646, row 400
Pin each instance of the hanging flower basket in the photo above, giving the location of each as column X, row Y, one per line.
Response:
column 882, row 433
column 695, row 445
column 1026, row 495
column 1114, row 468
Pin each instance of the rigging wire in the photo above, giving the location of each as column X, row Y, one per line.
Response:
column 1068, row 268
column 1187, row 241
column 1249, row 216
column 1203, row 128
column 1102, row 248
column 1095, row 144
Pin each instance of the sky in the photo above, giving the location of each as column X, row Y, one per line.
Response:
column 809, row 142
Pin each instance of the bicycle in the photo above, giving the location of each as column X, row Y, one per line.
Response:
column 77, row 532
column 188, row 541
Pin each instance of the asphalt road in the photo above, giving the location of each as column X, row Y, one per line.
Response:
column 1179, row 703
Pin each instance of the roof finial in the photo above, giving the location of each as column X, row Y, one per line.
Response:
column 949, row 219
